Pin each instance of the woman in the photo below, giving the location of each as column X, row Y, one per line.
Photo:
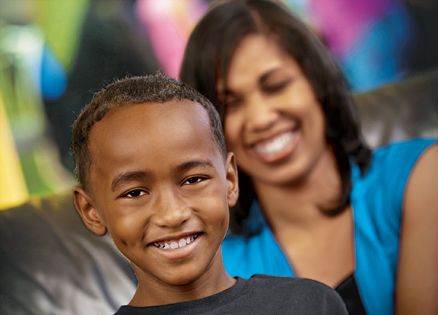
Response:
column 315, row 201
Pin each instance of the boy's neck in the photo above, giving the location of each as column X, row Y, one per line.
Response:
column 154, row 292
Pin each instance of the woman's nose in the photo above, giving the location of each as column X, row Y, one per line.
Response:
column 259, row 114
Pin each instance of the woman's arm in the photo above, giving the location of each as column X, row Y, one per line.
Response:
column 417, row 278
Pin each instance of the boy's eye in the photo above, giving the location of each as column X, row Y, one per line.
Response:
column 194, row 180
column 135, row 193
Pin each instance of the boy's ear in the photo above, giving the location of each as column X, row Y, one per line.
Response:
column 88, row 213
column 232, row 180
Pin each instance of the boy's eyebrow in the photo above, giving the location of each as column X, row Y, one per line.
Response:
column 194, row 163
column 128, row 176
column 141, row 175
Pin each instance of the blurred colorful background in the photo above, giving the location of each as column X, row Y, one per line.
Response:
column 54, row 54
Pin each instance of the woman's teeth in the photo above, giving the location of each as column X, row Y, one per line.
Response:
column 176, row 243
column 274, row 145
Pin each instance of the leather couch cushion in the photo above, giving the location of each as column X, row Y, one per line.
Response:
column 50, row 263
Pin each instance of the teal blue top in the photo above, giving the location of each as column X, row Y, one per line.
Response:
column 376, row 200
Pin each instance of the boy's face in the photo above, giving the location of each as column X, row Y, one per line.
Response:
column 161, row 188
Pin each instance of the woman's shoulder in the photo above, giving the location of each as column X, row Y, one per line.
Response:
column 418, row 248
column 392, row 164
column 378, row 195
column 402, row 149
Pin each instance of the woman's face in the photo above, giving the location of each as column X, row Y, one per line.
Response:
column 274, row 123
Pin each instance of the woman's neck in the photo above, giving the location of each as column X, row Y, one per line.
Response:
column 302, row 201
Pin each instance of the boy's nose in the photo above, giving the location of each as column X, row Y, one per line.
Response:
column 172, row 217
column 170, row 212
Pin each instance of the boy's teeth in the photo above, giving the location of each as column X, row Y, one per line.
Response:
column 175, row 244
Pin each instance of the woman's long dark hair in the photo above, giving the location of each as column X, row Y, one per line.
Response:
column 207, row 58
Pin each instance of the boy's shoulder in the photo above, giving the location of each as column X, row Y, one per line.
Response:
column 260, row 294
column 292, row 295
column 261, row 281
column 301, row 292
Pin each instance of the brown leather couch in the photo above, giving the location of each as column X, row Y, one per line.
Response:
column 50, row 264
column 400, row 111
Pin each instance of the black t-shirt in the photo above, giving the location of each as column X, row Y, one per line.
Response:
column 258, row 295
column 349, row 292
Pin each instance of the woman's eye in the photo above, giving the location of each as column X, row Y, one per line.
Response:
column 135, row 193
column 232, row 106
column 277, row 86
column 232, row 102
column 194, row 180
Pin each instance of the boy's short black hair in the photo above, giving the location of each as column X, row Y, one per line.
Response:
column 153, row 88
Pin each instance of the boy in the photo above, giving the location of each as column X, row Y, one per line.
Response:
column 154, row 173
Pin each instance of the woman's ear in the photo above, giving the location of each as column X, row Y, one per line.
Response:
column 87, row 211
column 232, row 180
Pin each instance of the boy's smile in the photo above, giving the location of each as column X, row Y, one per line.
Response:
column 161, row 188
column 177, row 247
column 176, row 242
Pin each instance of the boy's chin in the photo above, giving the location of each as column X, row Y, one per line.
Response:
column 184, row 280
column 186, row 276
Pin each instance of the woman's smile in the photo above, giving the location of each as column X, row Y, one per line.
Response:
column 277, row 147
